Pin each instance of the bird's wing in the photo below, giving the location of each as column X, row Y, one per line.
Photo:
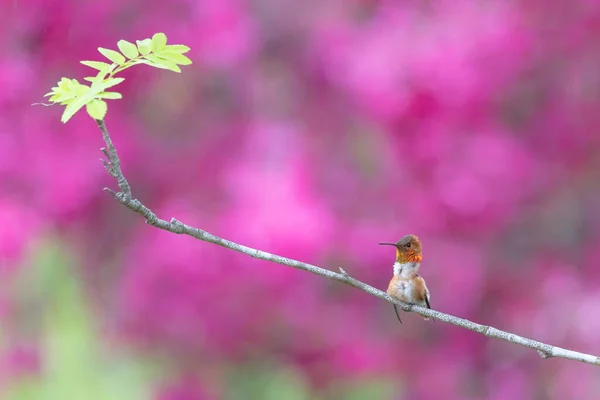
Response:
column 427, row 294
column 428, row 299
column 423, row 288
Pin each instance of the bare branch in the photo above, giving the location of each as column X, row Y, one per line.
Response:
column 113, row 167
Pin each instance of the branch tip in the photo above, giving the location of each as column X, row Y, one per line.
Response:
column 112, row 192
column 106, row 166
column 544, row 355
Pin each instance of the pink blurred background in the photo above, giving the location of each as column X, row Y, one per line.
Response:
column 312, row 130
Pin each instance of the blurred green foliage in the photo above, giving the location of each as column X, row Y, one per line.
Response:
column 283, row 382
column 76, row 363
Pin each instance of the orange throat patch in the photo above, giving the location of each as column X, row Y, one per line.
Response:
column 407, row 256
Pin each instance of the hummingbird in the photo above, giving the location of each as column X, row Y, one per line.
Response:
column 406, row 285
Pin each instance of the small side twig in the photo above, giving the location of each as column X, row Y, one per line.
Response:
column 113, row 166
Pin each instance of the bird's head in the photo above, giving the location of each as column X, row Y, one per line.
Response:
column 408, row 249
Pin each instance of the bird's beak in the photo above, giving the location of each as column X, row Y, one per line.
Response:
column 388, row 244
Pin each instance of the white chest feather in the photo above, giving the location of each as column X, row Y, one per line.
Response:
column 406, row 288
column 406, row 270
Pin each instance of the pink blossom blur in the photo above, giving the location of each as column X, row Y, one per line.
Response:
column 315, row 130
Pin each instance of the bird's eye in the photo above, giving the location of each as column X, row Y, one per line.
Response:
column 407, row 245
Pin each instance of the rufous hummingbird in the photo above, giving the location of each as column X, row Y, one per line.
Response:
column 406, row 285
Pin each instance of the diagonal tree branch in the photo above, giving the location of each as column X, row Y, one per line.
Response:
column 113, row 166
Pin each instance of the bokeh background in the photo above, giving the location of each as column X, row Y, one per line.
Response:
column 314, row 130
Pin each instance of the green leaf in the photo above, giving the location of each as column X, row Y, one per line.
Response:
column 99, row 65
column 55, row 99
column 97, row 109
column 177, row 48
column 128, row 48
column 112, row 55
column 177, row 58
column 109, row 95
column 63, row 98
column 98, row 87
column 64, row 83
column 158, row 62
column 100, row 76
column 144, row 46
column 73, row 107
column 67, row 91
column 159, row 41
column 55, row 92
column 76, row 97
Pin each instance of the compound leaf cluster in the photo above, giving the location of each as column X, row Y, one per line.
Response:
column 154, row 52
